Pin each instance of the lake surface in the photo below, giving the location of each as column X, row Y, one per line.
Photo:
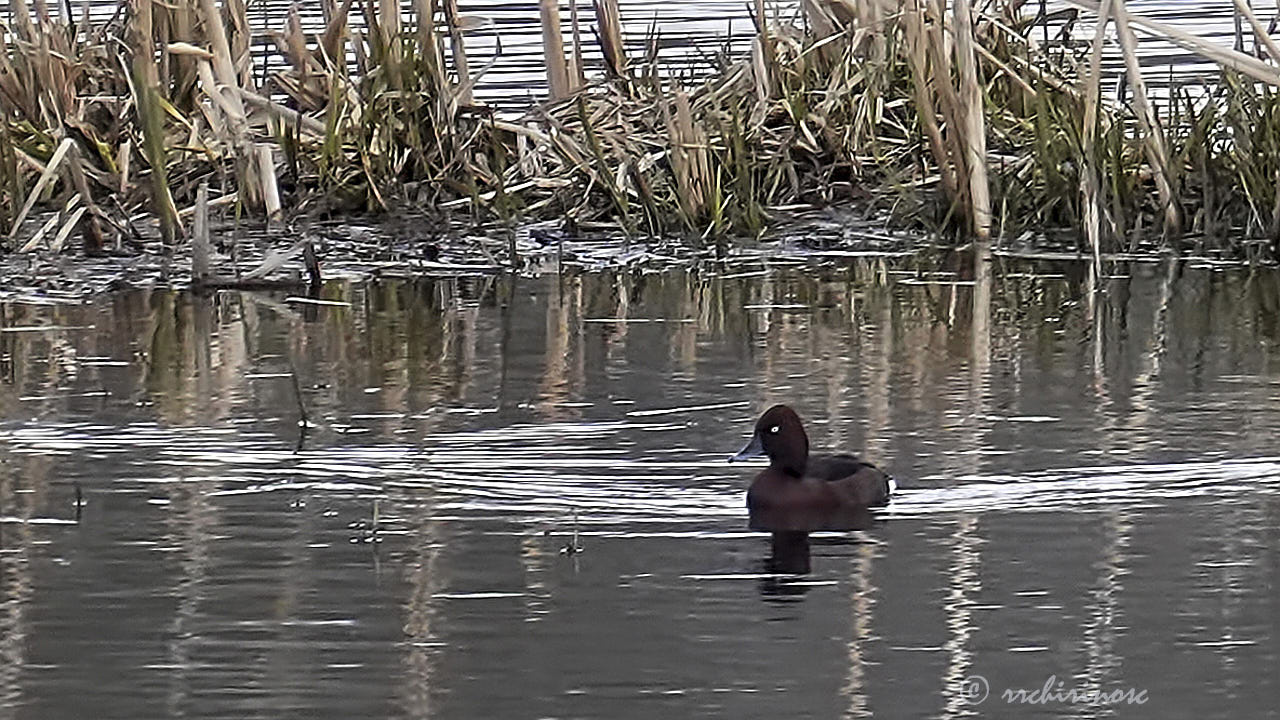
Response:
column 505, row 47
column 1090, row 496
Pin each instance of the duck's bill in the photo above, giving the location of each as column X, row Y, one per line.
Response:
column 754, row 449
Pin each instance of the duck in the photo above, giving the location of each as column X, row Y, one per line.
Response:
column 801, row 492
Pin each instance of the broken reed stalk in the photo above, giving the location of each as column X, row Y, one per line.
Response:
column 223, row 87
column 51, row 47
column 91, row 228
column 71, row 215
column 918, row 56
column 818, row 18
column 618, row 196
column 200, row 245
column 1225, row 57
column 764, row 52
column 146, row 82
column 223, row 66
column 387, row 23
column 873, row 19
column 975, row 141
column 948, row 99
column 577, row 73
column 1259, row 31
column 46, row 178
column 689, row 158
column 236, row 13
column 270, row 191
column 553, row 49
column 182, row 23
column 1273, row 50
column 29, row 73
column 1147, row 121
column 609, row 27
column 459, row 50
column 445, row 107
column 1091, row 180
column 761, row 67
column 286, row 115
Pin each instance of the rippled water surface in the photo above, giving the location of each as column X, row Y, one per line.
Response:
column 504, row 44
column 1090, row 496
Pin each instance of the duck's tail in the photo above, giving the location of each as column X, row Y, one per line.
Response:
column 890, row 487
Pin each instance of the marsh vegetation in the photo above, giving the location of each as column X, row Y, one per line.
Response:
column 984, row 122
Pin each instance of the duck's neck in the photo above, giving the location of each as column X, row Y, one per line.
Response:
column 791, row 468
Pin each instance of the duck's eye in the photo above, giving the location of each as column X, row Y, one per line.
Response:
column 774, row 429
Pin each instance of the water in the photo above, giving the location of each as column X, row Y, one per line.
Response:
column 691, row 32
column 507, row 42
column 1090, row 496
column 507, row 39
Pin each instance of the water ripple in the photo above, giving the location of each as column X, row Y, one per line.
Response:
column 528, row 471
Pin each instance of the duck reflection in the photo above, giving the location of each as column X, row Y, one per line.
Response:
column 790, row 549
column 788, row 554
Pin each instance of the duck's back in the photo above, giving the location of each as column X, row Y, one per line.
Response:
column 855, row 480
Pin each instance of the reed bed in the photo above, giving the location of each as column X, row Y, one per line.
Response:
column 947, row 116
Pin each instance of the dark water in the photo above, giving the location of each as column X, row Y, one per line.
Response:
column 1090, row 497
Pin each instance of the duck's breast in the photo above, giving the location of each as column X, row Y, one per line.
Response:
column 773, row 489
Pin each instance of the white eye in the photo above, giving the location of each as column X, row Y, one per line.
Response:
column 774, row 429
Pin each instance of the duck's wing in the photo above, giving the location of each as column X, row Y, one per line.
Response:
column 861, row 482
column 836, row 467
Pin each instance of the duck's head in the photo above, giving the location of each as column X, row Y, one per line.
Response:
column 780, row 435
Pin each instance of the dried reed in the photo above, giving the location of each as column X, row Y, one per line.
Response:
column 962, row 121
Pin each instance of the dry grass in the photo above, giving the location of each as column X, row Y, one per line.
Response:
column 932, row 114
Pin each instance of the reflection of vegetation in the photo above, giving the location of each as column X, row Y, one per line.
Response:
column 1263, row 295
column 881, row 331
column 167, row 350
column 885, row 356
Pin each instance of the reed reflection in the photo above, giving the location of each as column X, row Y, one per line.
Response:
column 862, row 601
column 1103, row 665
column 480, row 408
